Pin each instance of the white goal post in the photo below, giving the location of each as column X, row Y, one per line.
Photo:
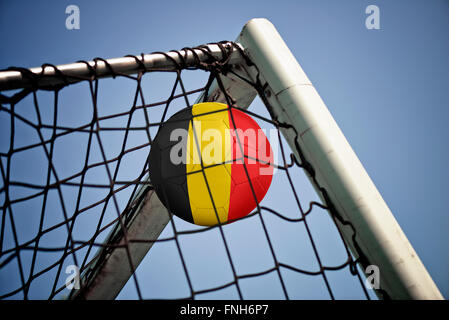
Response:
column 337, row 167
column 338, row 170
column 379, row 239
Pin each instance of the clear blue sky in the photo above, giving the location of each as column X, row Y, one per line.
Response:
column 387, row 89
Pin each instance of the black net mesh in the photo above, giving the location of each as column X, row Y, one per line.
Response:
column 74, row 167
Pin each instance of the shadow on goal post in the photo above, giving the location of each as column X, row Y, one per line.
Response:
column 260, row 64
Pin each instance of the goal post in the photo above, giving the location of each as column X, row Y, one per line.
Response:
column 48, row 75
column 259, row 56
column 379, row 240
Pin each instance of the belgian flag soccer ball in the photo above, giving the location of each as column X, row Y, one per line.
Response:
column 196, row 158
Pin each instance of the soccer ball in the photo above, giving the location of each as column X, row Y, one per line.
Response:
column 210, row 164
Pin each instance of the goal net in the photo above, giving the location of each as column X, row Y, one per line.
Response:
column 75, row 196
